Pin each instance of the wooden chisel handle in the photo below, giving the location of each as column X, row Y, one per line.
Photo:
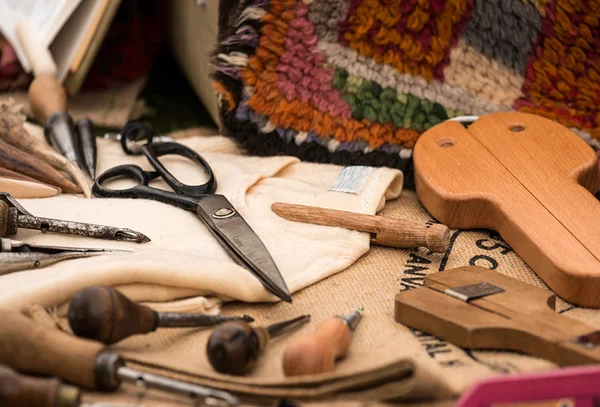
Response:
column 35, row 349
column 18, row 390
column 384, row 231
column 317, row 352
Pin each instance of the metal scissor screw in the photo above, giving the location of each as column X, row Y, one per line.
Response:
column 223, row 213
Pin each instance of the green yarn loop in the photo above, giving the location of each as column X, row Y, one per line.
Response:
column 367, row 99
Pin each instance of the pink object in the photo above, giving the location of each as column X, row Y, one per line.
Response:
column 580, row 385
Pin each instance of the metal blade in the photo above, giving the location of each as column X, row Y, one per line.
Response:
column 241, row 242
column 11, row 262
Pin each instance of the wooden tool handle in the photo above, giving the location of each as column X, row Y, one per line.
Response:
column 234, row 347
column 316, row 353
column 384, row 231
column 33, row 348
column 105, row 315
column 46, row 97
column 22, row 391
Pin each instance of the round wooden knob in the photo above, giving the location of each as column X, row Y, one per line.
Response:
column 233, row 348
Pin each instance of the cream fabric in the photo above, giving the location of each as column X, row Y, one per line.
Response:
column 183, row 260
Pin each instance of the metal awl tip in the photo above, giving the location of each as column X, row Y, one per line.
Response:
column 129, row 235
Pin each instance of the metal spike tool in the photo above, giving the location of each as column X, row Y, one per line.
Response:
column 105, row 315
column 234, row 347
column 82, row 362
column 18, row 256
column 13, row 216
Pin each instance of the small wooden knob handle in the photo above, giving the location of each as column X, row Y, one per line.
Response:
column 22, row 391
column 103, row 314
column 46, row 97
column 407, row 234
column 33, row 348
column 234, row 347
column 316, row 353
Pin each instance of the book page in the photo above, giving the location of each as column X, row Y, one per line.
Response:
column 43, row 15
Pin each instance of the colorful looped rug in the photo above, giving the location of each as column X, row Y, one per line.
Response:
column 357, row 81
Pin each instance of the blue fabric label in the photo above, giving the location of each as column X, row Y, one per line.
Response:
column 351, row 179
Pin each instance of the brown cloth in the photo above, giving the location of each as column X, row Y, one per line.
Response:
column 386, row 361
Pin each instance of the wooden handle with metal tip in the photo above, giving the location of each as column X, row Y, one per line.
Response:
column 384, row 231
column 17, row 390
column 35, row 349
column 103, row 314
column 317, row 352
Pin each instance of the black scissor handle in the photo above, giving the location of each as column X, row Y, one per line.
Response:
column 124, row 171
column 154, row 150
column 130, row 135
column 141, row 190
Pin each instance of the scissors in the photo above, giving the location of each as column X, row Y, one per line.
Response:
column 218, row 214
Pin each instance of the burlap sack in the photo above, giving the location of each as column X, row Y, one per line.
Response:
column 387, row 361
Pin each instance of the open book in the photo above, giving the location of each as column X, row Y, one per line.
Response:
column 73, row 30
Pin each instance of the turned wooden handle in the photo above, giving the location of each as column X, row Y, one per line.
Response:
column 234, row 347
column 384, row 231
column 316, row 353
column 46, row 97
column 22, row 391
column 32, row 348
column 105, row 315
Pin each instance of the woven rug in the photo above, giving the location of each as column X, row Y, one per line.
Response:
column 357, row 81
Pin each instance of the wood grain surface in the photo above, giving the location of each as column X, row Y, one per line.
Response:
column 522, row 318
column 528, row 178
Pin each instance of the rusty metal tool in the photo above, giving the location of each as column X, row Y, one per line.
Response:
column 104, row 314
column 234, row 347
column 384, row 231
column 317, row 352
column 32, row 348
column 477, row 308
column 18, row 256
column 19, row 390
column 13, row 216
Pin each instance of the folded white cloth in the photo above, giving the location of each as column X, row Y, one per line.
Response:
column 183, row 260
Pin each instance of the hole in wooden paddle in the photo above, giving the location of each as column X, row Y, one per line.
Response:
column 446, row 142
column 515, row 128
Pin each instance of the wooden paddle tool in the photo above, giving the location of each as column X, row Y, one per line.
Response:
column 476, row 308
column 530, row 179
column 384, row 231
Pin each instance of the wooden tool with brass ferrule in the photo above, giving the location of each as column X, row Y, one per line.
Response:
column 477, row 308
column 384, row 231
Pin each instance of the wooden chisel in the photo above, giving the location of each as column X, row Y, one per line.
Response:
column 384, row 231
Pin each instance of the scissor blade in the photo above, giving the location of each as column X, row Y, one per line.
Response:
column 241, row 242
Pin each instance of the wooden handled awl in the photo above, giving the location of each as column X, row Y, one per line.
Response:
column 530, row 179
column 317, row 352
column 384, row 231
column 18, row 390
column 32, row 348
column 103, row 314
column 235, row 347
column 477, row 308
